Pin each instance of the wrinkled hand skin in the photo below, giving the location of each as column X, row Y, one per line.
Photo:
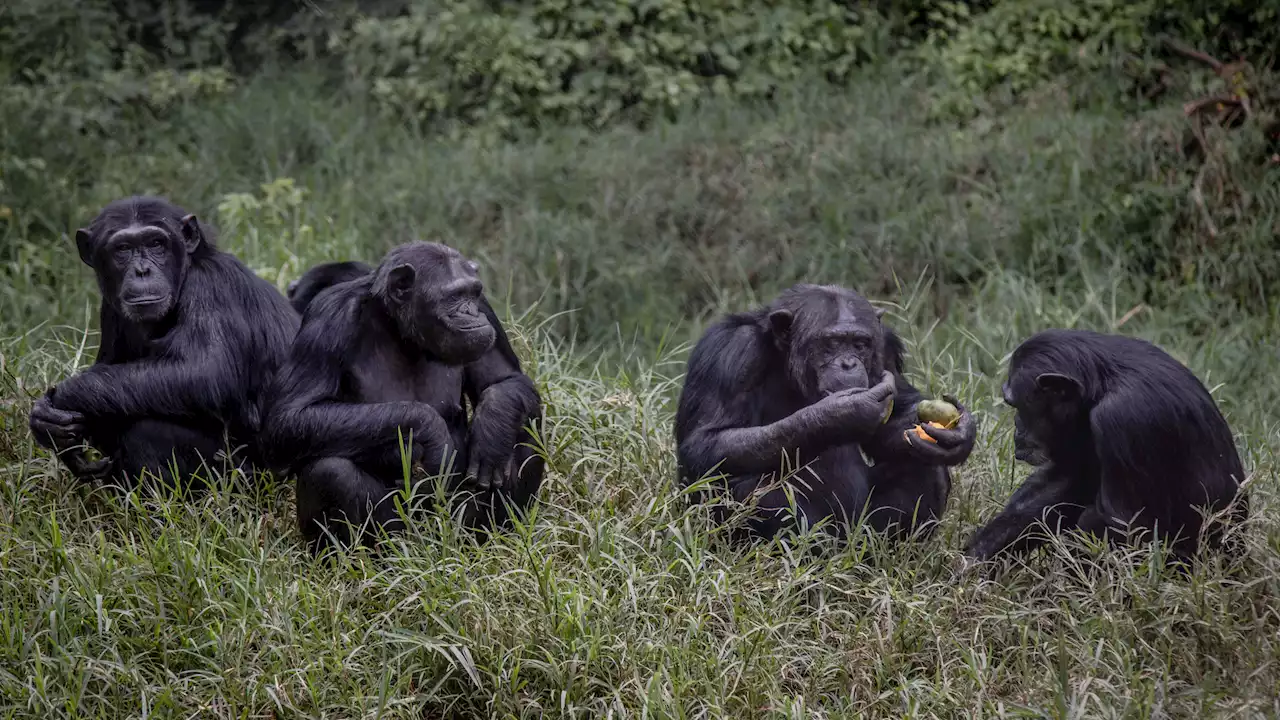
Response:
column 84, row 468
column 490, row 475
column 55, row 428
column 65, row 432
column 857, row 412
column 953, row 446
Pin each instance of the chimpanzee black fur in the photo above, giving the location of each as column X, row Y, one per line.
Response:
column 811, row 376
column 321, row 277
column 1123, row 438
column 394, row 353
column 190, row 340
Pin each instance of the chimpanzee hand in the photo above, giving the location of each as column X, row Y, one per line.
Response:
column 489, row 473
column 952, row 447
column 84, row 468
column 54, row 428
column 857, row 413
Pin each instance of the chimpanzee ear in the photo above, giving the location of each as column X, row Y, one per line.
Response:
column 400, row 283
column 1060, row 385
column 780, row 322
column 192, row 236
column 84, row 244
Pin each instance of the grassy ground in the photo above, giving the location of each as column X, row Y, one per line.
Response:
column 615, row 600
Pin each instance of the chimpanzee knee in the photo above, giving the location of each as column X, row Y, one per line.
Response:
column 334, row 494
column 168, row 452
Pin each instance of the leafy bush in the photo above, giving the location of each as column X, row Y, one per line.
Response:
column 590, row 62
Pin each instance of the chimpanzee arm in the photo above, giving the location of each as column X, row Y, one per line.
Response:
column 1048, row 495
column 726, row 385
column 305, row 420
column 505, row 400
column 195, row 374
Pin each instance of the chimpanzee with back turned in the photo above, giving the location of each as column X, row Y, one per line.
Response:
column 393, row 354
column 321, row 277
column 811, row 376
column 190, row 340
column 1124, row 438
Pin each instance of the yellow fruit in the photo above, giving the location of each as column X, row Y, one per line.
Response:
column 939, row 412
column 887, row 412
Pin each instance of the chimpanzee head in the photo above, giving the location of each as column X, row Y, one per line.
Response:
column 1050, row 385
column 140, row 249
column 433, row 294
column 831, row 337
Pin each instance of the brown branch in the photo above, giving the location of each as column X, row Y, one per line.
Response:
column 1197, row 106
column 1190, row 52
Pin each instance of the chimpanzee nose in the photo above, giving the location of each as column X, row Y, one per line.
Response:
column 848, row 364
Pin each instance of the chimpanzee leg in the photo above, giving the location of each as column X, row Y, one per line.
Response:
column 907, row 498
column 158, row 448
column 334, row 494
column 1056, row 498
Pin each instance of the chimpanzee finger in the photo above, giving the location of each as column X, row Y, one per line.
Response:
column 84, row 468
column 945, row 438
column 477, row 475
column 46, row 412
column 881, row 391
column 924, row 450
column 61, row 434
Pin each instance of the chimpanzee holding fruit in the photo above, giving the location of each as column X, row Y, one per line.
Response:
column 1123, row 438
column 805, row 384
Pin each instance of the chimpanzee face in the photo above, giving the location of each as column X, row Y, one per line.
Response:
column 434, row 294
column 140, row 267
column 1048, row 415
column 833, row 338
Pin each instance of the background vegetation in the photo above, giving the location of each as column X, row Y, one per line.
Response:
column 625, row 172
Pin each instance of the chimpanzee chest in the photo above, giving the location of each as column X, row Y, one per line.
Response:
column 384, row 374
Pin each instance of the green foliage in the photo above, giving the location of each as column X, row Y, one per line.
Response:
column 1019, row 44
column 590, row 62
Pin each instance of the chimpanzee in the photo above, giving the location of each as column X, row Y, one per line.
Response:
column 1122, row 436
column 321, row 277
column 190, row 340
column 796, row 378
column 391, row 355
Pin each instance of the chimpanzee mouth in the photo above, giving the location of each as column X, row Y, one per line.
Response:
column 146, row 300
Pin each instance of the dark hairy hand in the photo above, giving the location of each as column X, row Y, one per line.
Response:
column 53, row 427
column 84, row 468
column 952, row 447
column 858, row 412
column 489, row 474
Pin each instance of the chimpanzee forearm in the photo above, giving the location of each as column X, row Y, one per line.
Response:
column 151, row 388
column 751, row 450
column 1054, row 497
column 503, row 410
column 364, row 433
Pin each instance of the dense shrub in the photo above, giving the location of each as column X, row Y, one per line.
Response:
column 589, row 62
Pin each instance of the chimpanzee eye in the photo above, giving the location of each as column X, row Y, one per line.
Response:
column 155, row 244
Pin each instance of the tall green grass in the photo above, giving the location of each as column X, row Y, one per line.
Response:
column 609, row 254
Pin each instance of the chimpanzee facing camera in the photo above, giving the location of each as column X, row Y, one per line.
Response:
column 811, row 378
